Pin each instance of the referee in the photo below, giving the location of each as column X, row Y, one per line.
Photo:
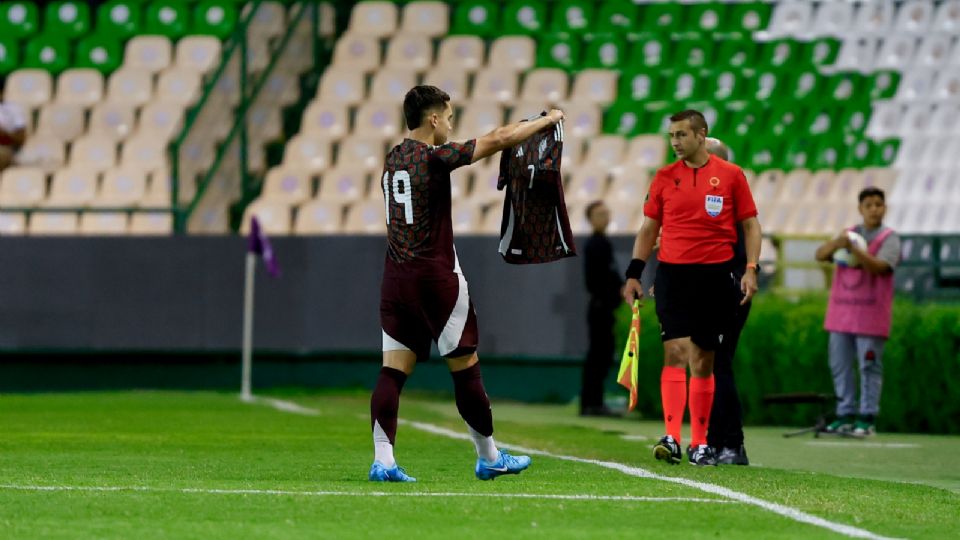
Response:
column 698, row 200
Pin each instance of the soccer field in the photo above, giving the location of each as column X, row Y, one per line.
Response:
column 206, row 465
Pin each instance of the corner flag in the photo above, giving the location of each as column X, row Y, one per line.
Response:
column 627, row 376
column 260, row 244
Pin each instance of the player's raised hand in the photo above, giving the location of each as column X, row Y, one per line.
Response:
column 632, row 290
column 555, row 115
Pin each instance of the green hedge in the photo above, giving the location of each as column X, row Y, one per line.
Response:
column 784, row 349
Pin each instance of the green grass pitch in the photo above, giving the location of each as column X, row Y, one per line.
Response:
column 206, row 465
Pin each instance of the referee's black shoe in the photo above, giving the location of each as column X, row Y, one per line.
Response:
column 733, row 456
column 668, row 450
column 701, row 455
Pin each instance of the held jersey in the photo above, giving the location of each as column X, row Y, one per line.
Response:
column 535, row 227
column 416, row 188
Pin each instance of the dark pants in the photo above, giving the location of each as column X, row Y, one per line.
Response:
column 599, row 359
column 726, row 417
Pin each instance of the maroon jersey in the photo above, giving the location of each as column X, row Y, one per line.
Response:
column 535, row 227
column 416, row 188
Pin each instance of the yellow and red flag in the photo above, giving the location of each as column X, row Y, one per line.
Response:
column 627, row 376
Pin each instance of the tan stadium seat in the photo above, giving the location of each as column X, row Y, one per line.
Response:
column 61, row 121
column 366, row 217
column 104, row 223
column 160, row 120
column 630, row 185
column 626, row 216
column 466, row 216
column 43, row 151
column 478, row 119
column 451, row 80
column 151, row 223
column 586, row 186
column 318, row 217
column 355, row 51
column 342, row 86
column 572, row 156
column 258, row 55
column 269, row 21
column 378, row 119
column 22, row 186
column 523, row 110
column 821, row 182
column 112, row 120
column 512, row 53
column 597, row 86
column 494, row 85
column 777, row 218
column 881, row 177
column 256, row 156
column 648, row 151
column 425, row 18
column 579, row 224
column 307, row 153
column 180, row 86
column 72, row 188
column 29, row 88
column 547, row 85
column 152, row 53
column 129, row 86
column 81, row 86
column 93, row 152
column 12, row 223
column 121, row 188
column 410, row 52
column 392, row 84
column 227, row 88
column 462, row 53
column 274, row 217
column 795, row 186
column 325, row 120
column 582, row 121
column 460, row 181
column 144, row 150
column 767, row 186
column 264, row 124
column 53, row 224
column 485, row 182
column 287, row 185
column 366, row 152
column 346, row 183
column 200, row 53
column 491, row 220
column 605, row 151
column 377, row 19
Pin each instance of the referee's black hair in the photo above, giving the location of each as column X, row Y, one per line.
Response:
column 697, row 121
column 591, row 207
column 872, row 191
column 419, row 100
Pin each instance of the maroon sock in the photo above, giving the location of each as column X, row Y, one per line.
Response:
column 472, row 400
column 385, row 401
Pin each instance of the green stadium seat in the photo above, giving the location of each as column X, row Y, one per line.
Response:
column 18, row 19
column 725, row 85
column 617, row 16
column 823, row 52
column 639, row 85
column 559, row 51
column 693, row 53
column 860, row 154
column 885, row 153
column 650, row 51
column 662, row 17
column 605, row 51
column 785, row 119
column 764, row 86
column 656, row 116
column 743, row 119
column 167, row 18
column 763, row 153
column 882, row 84
column 9, row 55
column 682, row 86
column 829, row 153
column 574, row 16
column 707, row 17
column 476, row 17
column 103, row 53
column 750, row 17
column 215, row 18
column 805, row 84
column 820, row 122
column 120, row 18
column 623, row 117
column 846, row 87
column 51, row 53
column 781, row 54
column 737, row 53
column 524, row 17
column 67, row 19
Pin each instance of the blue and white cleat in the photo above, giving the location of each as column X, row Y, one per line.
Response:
column 505, row 464
column 380, row 473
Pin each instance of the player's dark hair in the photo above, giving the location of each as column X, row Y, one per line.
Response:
column 697, row 121
column 591, row 207
column 871, row 191
column 421, row 99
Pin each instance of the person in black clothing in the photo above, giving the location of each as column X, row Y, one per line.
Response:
column 603, row 284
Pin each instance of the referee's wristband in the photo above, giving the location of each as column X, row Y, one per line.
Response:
column 635, row 270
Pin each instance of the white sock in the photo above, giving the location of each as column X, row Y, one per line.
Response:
column 382, row 449
column 486, row 448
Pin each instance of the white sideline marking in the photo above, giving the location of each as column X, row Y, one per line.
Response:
column 633, row 438
column 785, row 511
column 283, row 405
column 551, row 496
column 863, row 444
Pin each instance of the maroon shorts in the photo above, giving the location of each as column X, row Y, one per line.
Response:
column 417, row 311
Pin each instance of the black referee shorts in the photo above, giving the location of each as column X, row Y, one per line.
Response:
column 696, row 301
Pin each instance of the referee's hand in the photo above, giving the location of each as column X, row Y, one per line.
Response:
column 748, row 285
column 632, row 290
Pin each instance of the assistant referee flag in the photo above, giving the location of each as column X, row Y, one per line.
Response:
column 627, row 376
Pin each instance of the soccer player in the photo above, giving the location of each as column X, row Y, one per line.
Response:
column 423, row 296
column 698, row 200
column 859, row 314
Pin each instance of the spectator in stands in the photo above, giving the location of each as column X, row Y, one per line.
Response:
column 859, row 314
column 604, row 284
column 13, row 130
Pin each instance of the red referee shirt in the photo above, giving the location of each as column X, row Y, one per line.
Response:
column 698, row 210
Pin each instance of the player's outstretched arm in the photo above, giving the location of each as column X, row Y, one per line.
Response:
column 513, row 134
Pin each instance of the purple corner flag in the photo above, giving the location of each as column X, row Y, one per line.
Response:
column 260, row 244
